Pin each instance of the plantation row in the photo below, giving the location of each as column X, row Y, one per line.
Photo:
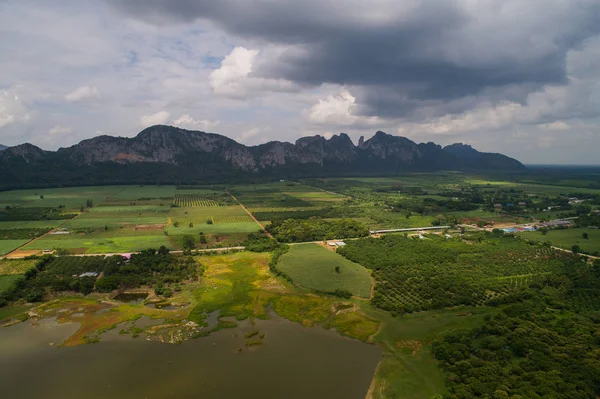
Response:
column 413, row 275
column 186, row 221
column 21, row 234
column 195, row 201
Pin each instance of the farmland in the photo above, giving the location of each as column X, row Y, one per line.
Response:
column 567, row 238
column 433, row 294
column 315, row 267
column 7, row 246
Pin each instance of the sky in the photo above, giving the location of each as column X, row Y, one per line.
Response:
column 511, row 76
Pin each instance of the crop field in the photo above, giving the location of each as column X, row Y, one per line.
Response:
column 30, row 224
column 140, row 192
column 7, row 246
column 128, row 208
column 95, row 245
column 313, row 266
column 15, row 266
column 72, row 198
column 568, row 237
column 194, row 200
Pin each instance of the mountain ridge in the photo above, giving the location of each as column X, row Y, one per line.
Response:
column 173, row 154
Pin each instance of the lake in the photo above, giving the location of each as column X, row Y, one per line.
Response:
column 293, row 362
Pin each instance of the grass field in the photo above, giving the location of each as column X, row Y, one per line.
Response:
column 100, row 245
column 7, row 281
column 313, row 266
column 224, row 219
column 72, row 197
column 31, row 224
column 15, row 266
column 137, row 192
column 7, row 246
column 569, row 237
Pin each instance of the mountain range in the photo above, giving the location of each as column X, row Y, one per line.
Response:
column 166, row 154
column 3, row 147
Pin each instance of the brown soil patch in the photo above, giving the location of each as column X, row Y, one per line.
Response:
column 412, row 345
column 78, row 251
column 147, row 227
column 21, row 253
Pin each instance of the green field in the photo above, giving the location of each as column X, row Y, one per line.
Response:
column 223, row 220
column 313, row 266
column 72, row 198
column 101, row 245
column 15, row 266
column 7, row 281
column 7, row 246
column 137, row 192
column 568, row 237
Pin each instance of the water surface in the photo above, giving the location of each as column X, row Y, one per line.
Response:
column 293, row 362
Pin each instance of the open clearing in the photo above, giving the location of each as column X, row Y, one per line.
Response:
column 568, row 237
column 313, row 266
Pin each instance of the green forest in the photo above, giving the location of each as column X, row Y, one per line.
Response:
column 545, row 345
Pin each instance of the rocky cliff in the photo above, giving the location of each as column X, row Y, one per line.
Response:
column 171, row 154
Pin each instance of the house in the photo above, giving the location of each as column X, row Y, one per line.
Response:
column 522, row 203
column 498, row 206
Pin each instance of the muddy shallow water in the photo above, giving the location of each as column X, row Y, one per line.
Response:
column 292, row 362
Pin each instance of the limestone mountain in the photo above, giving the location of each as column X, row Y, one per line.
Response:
column 169, row 154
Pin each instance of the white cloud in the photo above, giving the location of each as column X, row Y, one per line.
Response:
column 234, row 69
column 335, row 109
column 158, row 118
column 12, row 108
column 339, row 110
column 59, row 129
column 187, row 122
column 234, row 78
column 82, row 93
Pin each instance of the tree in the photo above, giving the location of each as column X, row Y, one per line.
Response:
column 585, row 235
column 191, row 224
column 337, row 269
column 188, row 242
column 209, row 221
column 575, row 249
column 41, row 197
column 543, row 230
column 202, row 238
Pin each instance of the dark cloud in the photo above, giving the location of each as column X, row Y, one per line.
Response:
column 401, row 54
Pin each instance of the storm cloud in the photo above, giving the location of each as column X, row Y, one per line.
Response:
column 402, row 54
